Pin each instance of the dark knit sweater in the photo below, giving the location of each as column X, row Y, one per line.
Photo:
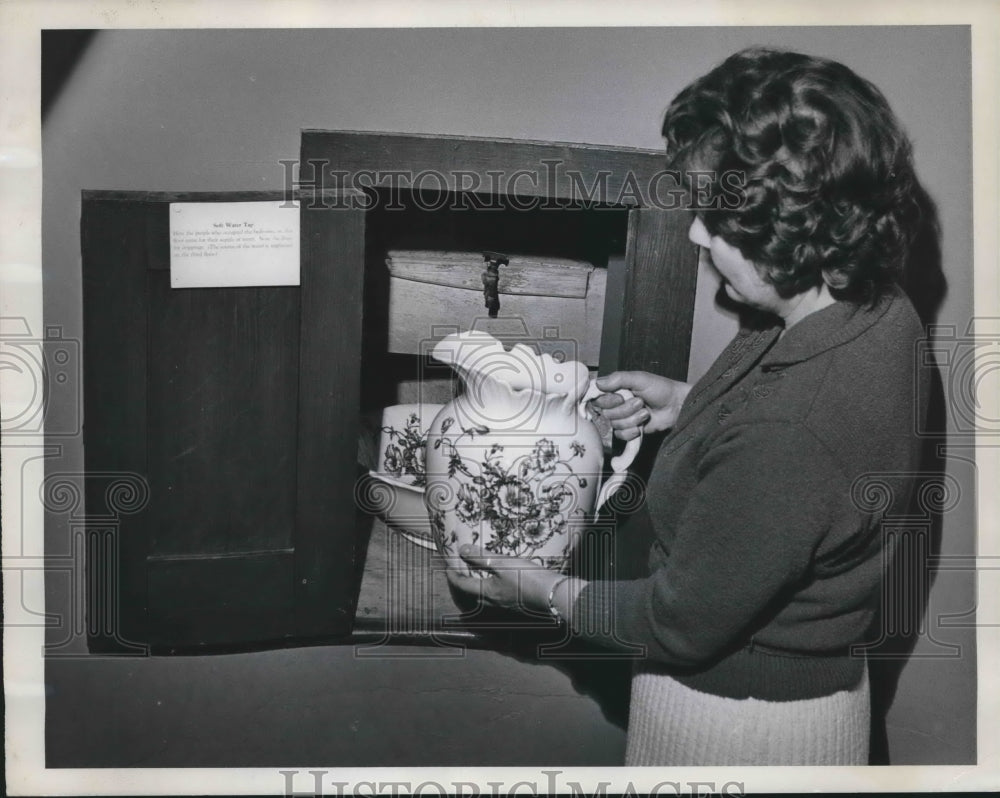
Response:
column 767, row 558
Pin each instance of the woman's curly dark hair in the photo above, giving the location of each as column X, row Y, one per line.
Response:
column 824, row 170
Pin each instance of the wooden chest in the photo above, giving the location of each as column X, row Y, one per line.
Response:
column 555, row 303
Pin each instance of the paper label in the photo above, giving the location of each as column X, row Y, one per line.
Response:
column 228, row 244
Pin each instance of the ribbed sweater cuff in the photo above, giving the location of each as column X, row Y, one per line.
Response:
column 593, row 614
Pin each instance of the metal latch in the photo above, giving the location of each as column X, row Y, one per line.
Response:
column 491, row 280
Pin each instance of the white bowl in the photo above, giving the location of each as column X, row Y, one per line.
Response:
column 401, row 473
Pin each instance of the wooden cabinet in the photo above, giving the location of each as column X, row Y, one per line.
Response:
column 240, row 408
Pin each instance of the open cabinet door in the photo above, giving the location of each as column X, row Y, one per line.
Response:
column 231, row 415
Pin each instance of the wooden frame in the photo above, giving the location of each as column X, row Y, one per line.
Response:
column 661, row 264
column 649, row 310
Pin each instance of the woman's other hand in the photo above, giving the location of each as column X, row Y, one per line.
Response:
column 516, row 584
column 655, row 407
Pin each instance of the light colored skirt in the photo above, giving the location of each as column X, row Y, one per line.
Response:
column 671, row 724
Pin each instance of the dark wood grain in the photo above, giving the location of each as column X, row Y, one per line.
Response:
column 222, row 417
column 329, row 416
column 246, row 581
column 556, row 170
column 156, row 197
column 239, row 408
column 661, row 275
column 113, row 246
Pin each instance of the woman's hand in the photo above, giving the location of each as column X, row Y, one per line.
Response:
column 516, row 584
column 656, row 405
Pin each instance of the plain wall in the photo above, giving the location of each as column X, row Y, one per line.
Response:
column 218, row 110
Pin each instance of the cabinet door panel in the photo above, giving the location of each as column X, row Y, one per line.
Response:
column 238, row 407
column 222, row 417
column 251, row 581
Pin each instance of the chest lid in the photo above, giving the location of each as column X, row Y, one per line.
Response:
column 525, row 275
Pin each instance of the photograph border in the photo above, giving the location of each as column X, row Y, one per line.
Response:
column 21, row 267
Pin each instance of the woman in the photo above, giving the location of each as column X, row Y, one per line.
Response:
column 765, row 570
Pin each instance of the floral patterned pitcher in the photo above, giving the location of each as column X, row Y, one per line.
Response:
column 514, row 463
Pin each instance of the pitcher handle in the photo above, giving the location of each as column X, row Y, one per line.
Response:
column 619, row 463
